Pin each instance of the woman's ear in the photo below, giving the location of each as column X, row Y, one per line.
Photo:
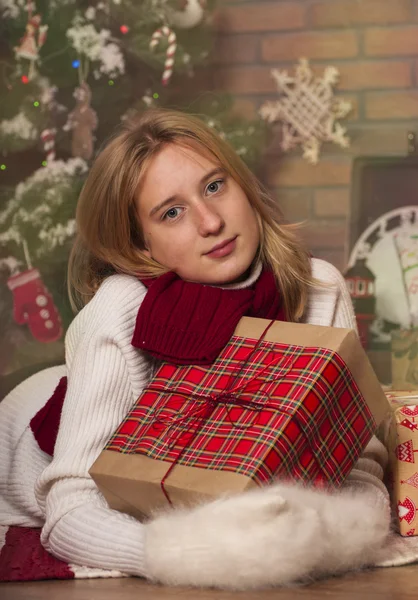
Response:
column 147, row 253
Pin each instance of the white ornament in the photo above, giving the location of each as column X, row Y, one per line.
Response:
column 48, row 140
column 31, row 42
column 308, row 110
column 191, row 15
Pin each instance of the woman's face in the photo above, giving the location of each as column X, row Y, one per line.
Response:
column 195, row 218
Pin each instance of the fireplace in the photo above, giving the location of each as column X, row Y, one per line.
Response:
column 384, row 209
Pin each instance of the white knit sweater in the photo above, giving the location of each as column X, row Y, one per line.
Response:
column 106, row 374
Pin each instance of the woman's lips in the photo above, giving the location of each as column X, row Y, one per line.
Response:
column 223, row 249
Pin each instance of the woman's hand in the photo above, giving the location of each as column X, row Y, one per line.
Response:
column 272, row 536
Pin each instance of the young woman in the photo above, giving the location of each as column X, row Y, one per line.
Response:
column 176, row 241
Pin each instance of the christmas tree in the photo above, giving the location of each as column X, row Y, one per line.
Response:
column 72, row 71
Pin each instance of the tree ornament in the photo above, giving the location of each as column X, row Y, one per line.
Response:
column 48, row 140
column 308, row 110
column 29, row 46
column 82, row 121
column 171, row 50
column 33, row 305
column 188, row 13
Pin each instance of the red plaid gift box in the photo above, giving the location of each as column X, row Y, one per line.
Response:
column 263, row 410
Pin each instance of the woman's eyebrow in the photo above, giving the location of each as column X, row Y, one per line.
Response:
column 213, row 173
column 162, row 204
column 205, row 178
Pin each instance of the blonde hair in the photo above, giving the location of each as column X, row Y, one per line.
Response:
column 109, row 238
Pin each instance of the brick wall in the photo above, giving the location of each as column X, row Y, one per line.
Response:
column 374, row 44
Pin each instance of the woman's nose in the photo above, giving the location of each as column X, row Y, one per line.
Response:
column 210, row 222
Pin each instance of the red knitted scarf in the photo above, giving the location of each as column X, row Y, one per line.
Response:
column 189, row 323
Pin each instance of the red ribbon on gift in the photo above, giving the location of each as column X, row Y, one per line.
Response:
column 198, row 415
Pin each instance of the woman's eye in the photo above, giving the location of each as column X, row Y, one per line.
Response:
column 214, row 186
column 172, row 213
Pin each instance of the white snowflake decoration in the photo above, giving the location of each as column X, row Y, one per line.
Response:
column 308, row 110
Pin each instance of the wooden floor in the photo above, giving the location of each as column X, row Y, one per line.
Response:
column 380, row 584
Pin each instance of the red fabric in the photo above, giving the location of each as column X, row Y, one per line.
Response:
column 23, row 558
column 189, row 323
column 45, row 423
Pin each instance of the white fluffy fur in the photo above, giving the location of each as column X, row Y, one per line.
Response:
column 273, row 536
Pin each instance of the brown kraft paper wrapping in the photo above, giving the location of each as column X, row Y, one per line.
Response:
column 131, row 483
column 402, row 444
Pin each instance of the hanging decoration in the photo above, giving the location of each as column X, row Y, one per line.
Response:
column 170, row 52
column 31, row 42
column 308, row 110
column 33, row 305
column 187, row 14
column 82, row 121
column 48, row 141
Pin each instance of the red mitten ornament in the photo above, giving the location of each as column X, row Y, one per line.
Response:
column 34, row 305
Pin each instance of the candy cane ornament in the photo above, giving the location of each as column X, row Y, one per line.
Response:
column 171, row 50
column 48, row 140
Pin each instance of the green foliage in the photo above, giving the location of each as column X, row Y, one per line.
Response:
column 37, row 205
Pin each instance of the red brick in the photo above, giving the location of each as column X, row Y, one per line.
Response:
column 377, row 139
column 353, row 115
column 235, row 49
column 332, row 202
column 373, row 75
column 312, row 44
column 261, row 16
column 348, row 13
column 325, row 234
column 335, row 256
column 297, row 172
column 295, row 204
column 392, row 105
column 242, row 107
column 391, row 41
column 245, row 80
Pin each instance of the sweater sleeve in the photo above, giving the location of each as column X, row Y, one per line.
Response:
column 329, row 301
column 105, row 376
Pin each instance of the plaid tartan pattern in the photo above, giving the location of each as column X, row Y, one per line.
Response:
column 292, row 411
